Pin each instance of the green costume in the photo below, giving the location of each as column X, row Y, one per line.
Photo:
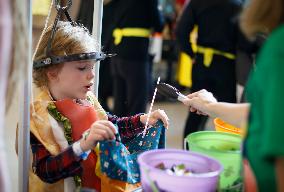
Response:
column 265, row 92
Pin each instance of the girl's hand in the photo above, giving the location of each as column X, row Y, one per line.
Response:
column 155, row 116
column 198, row 101
column 99, row 131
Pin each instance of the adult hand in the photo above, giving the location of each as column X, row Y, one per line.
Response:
column 99, row 131
column 155, row 116
column 199, row 101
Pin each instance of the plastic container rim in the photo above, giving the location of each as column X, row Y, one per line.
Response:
column 237, row 131
column 200, row 175
column 216, row 133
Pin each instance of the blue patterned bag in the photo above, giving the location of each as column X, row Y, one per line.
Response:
column 119, row 160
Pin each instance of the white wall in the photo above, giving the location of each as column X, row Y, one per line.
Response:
column 12, row 117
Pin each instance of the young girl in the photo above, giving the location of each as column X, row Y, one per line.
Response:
column 63, row 139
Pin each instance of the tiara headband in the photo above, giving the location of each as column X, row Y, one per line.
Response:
column 52, row 59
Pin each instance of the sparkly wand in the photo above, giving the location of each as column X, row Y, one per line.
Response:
column 150, row 110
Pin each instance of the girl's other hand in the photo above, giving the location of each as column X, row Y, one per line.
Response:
column 155, row 116
column 99, row 131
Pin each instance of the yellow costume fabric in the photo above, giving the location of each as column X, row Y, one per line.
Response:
column 208, row 54
column 184, row 73
column 118, row 34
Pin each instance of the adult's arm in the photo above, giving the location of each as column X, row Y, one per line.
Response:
column 233, row 113
column 279, row 165
column 203, row 102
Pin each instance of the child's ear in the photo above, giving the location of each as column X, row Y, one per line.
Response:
column 52, row 74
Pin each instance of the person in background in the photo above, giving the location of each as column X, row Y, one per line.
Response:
column 135, row 21
column 263, row 145
column 179, row 6
column 214, row 62
column 85, row 17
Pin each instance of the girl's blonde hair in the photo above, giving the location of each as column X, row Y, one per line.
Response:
column 68, row 40
column 262, row 16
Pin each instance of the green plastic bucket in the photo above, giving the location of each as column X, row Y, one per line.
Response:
column 224, row 147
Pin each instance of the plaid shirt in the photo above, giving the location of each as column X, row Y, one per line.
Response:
column 66, row 164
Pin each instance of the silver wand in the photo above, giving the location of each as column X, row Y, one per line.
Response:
column 150, row 110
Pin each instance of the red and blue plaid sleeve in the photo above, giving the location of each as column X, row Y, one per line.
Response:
column 51, row 168
column 128, row 127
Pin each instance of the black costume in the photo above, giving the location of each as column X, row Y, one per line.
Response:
column 85, row 17
column 130, row 68
column 218, row 31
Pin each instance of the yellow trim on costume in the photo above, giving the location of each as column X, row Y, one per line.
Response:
column 209, row 52
column 98, row 164
column 184, row 72
column 118, row 33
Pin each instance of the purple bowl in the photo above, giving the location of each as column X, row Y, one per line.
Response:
column 205, row 178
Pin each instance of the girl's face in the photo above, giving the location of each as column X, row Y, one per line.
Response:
column 73, row 81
